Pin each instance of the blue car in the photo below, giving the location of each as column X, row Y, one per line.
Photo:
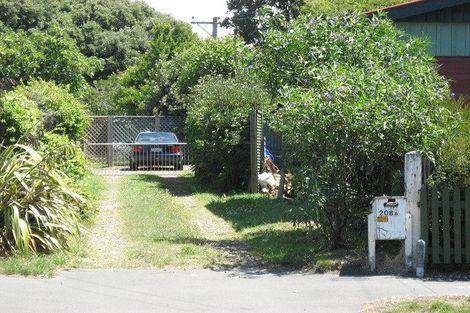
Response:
column 157, row 149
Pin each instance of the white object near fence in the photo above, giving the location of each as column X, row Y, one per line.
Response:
column 388, row 221
column 413, row 183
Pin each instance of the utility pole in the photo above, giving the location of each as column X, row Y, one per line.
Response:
column 214, row 23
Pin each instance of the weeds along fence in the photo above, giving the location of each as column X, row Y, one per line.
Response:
column 110, row 143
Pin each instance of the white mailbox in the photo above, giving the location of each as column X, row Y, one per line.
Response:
column 390, row 213
column 389, row 221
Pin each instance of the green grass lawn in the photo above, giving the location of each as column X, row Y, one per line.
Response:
column 177, row 223
column 258, row 227
column 451, row 304
column 262, row 224
column 159, row 231
column 47, row 265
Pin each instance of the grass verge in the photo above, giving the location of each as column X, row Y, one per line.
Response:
column 445, row 304
column 46, row 265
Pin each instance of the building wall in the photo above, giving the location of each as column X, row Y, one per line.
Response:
column 447, row 39
column 450, row 43
column 455, row 14
column 448, row 32
column 457, row 70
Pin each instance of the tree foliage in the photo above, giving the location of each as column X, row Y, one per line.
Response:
column 225, row 57
column 354, row 96
column 167, row 89
column 246, row 14
column 142, row 87
column 217, row 128
column 115, row 31
column 25, row 56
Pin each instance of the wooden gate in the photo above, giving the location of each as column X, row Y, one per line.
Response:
column 445, row 224
column 256, row 148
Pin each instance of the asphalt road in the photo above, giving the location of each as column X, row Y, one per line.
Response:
column 118, row 291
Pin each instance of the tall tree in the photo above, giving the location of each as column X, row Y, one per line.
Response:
column 28, row 55
column 116, row 31
column 246, row 13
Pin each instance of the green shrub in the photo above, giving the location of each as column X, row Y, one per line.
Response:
column 19, row 118
column 37, row 55
column 217, row 128
column 64, row 154
column 453, row 162
column 225, row 57
column 38, row 211
column 354, row 96
column 64, row 114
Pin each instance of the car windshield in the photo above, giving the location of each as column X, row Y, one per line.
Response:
column 157, row 138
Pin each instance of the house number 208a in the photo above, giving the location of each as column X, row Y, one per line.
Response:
column 387, row 213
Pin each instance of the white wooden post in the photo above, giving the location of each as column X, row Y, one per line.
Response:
column 413, row 183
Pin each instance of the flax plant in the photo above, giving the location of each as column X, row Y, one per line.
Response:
column 38, row 212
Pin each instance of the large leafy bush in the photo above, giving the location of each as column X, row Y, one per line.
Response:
column 65, row 155
column 168, row 89
column 49, row 118
column 63, row 113
column 354, row 96
column 217, row 128
column 19, row 118
column 38, row 211
column 453, row 163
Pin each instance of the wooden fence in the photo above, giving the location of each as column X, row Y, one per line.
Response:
column 105, row 131
column 445, row 224
column 256, row 149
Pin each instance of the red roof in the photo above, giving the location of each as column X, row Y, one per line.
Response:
column 417, row 7
column 396, row 6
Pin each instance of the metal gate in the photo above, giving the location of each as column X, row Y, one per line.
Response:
column 110, row 144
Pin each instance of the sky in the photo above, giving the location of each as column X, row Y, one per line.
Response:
column 202, row 10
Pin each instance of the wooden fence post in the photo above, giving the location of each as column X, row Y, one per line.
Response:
column 110, row 141
column 157, row 123
column 253, row 185
column 413, row 184
column 256, row 149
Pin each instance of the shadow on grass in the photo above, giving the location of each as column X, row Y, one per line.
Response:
column 179, row 186
column 264, row 238
column 275, row 252
column 264, row 227
column 247, row 210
